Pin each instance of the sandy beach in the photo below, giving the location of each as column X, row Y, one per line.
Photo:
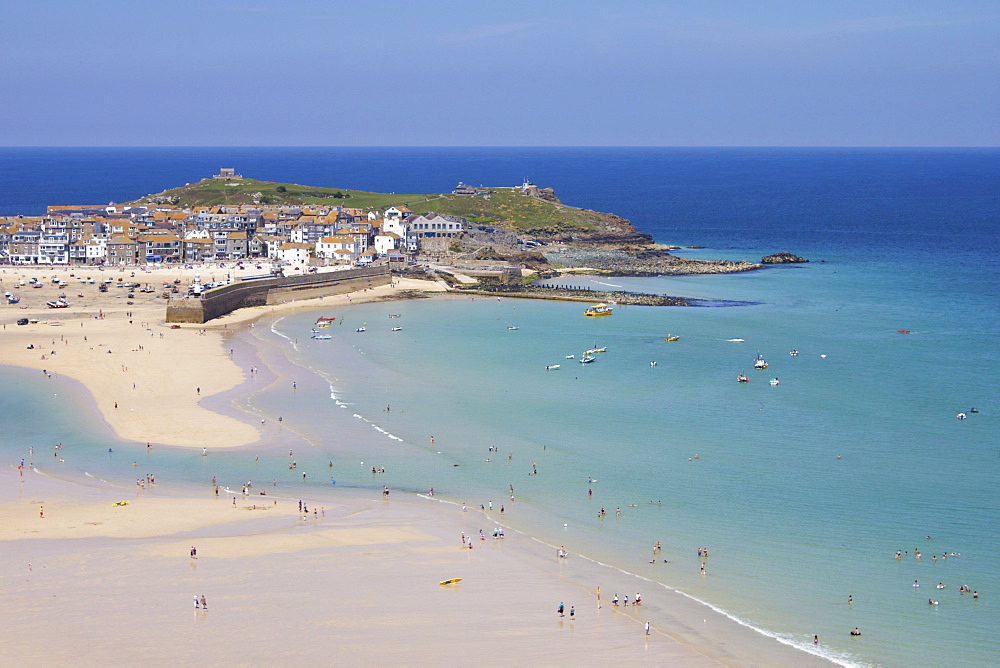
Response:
column 89, row 582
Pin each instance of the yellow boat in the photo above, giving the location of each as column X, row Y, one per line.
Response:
column 671, row 337
column 598, row 310
column 450, row 582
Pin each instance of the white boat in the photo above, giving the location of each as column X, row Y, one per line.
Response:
column 511, row 327
column 759, row 363
column 57, row 304
column 569, row 357
column 596, row 350
column 774, row 381
column 322, row 337
column 652, row 364
column 793, row 353
column 587, row 359
column 397, row 329
column 599, row 310
column 361, row 329
column 742, row 379
column 551, row 367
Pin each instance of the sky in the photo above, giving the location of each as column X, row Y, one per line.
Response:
column 512, row 73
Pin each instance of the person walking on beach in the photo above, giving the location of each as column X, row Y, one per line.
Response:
column 614, row 601
column 647, row 628
column 572, row 612
column 204, row 603
column 41, row 511
column 561, row 608
column 196, row 606
column 194, row 552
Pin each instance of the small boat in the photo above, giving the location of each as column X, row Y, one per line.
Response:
column 759, row 363
column 361, row 329
column 314, row 331
column 596, row 350
column 734, row 339
column 59, row 303
column 569, row 357
column 397, row 329
column 587, row 359
column 324, row 319
column 774, row 381
column 961, row 416
column 598, row 310
column 793, row 353
column 394, row 315
column 742, row 379
column 973, row 410
column 652, row 364
column 903, row 331
column 450, row 582
column 551, row 367
column 11, row 299
column 671, row 337
column 321, row 337
column 513, row 327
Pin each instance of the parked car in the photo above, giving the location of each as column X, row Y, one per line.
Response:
column 22, row 321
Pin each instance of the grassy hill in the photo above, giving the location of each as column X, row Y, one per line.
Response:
column 213, row 192
column 507, row 208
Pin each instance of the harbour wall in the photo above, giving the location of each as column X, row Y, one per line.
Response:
column 266, row 291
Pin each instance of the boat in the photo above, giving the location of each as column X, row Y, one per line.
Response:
column 551, row 367
column 569, row 357
column 59, row 303
column 397, row 329
column 324, row 319
column 903, row 331
column 774, row 381
column 395, row 315
column 759, row 363
column 587, row 359
column 450, row 582
column 11, row 299
column 314, row 331
column 735, row 340
column 598, row 310
column 973, row 410
column 596, row 350
column 652, row 364
column 512, row 327
column 793, row 353
column 671, row 337
column 361, row 329
column 742, row 379
column 321, row 337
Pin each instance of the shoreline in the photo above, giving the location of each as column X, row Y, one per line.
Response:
column 690, row 645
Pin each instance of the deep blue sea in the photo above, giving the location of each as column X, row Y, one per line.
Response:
column 802, row 491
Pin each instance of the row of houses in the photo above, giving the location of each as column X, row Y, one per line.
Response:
column 134, row 235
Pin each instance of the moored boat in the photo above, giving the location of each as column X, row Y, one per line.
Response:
column 551, row 367
column 759, row 363
column 742, row 379
column 599, row 310
column 586, row 359
column 671, row 337
column 322, row 337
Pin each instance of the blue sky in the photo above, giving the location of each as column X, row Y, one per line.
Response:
column 556, row 73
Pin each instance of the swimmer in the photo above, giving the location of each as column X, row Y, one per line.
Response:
column 855, row 632
column 932, row 602
column 916, row 584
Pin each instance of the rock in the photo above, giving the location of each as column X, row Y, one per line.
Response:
column 783, row 257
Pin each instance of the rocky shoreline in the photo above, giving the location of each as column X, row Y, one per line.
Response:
column 562, row 293
column 646, row 262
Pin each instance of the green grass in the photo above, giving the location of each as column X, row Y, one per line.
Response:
column 507, row 208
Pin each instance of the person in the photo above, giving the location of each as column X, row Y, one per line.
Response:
column 561, row 608
column 647, row 628
column 204, row 603
column 196, row 606
column 194, row 552
column 850, row 599
column 625, row 600
column 614, row 601
column 975, row 594
column 815, row 640
column 41, row 511
column 855, row 632
column 572, row 612
column 638, row 599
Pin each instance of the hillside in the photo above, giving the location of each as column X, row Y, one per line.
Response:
column 539, row 214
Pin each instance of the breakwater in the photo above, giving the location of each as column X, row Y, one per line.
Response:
column 565, row 293
column 265, row 291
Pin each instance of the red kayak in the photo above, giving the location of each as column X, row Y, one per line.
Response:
column 903, row 331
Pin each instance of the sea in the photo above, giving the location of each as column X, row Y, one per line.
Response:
column 802, row 491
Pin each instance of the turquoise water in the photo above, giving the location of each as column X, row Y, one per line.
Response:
column 792, row 530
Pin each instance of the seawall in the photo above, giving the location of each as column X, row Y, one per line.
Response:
column 265, row 291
